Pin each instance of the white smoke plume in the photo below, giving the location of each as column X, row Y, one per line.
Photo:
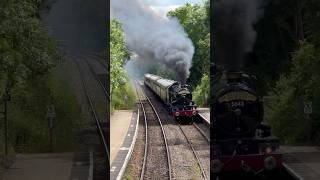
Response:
column 154, row 38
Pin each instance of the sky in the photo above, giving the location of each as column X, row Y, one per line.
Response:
column 163, row 6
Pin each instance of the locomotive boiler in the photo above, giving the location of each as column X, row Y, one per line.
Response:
column 242, row 142
column 176, row 97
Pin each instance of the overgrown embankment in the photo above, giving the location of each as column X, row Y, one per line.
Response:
column 30, row 72
column 286, row 60
column 121, row 90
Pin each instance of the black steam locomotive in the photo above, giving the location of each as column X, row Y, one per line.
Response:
column 177, row 97
column 241, row 141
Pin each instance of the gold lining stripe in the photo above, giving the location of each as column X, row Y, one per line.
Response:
column 240, row 95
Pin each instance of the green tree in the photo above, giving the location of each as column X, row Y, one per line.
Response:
column 279, row 30
column 26, row 51
column 202, row 92
column 286, row 59
column 122, row 96
column 118, row 54
column 301, row 84
column 28, row 61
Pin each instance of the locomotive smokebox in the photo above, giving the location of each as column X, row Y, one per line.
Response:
column 237, row 108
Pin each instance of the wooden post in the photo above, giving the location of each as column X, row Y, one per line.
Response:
column 6, row 98
column 5, row 129
column 50, row 139
column 51, row 115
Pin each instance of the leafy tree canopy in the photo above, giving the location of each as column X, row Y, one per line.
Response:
column 300, row 85
column 122, row 96
column 118, row 54
column 26, row 51
column 286, row 57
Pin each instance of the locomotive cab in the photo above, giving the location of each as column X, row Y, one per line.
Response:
column 183, row 95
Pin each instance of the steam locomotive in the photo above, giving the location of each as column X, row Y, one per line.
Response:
column 242, row 142
column 176, row 97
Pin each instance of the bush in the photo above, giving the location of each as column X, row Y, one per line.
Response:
column 123, row 97
column 301, row 84
column 28, row 126
column 201, row 93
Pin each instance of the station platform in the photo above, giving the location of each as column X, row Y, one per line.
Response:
column 49, row 166
column 123, row 132
column 302, row 162
column 204, row 113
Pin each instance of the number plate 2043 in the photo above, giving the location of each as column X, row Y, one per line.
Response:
column 237, row 104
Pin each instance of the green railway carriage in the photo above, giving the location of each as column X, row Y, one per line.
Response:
column 160, row 86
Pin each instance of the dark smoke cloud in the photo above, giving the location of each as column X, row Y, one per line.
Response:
column 80, row 25
column 153, row 38
column 233, row 31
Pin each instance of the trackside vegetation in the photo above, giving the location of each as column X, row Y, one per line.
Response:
column 286, row 61
column 121, row 89
column 202, row 92
column 29, row 72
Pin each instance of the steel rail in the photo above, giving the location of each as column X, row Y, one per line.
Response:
column 93, row 112
column 194, row 153
column 201, row 132
column 146, row 134
column 99, row 81
column 163, row 134
column 98, row 59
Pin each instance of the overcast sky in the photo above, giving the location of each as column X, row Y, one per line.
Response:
column 163, row 6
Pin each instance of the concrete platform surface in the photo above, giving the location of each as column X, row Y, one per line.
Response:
column 302, row 161
column 204, row 113
column 40, row 167
column 123, row 153
column 119, row 124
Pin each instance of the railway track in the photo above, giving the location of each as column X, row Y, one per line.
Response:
column 97, row 121
column 140, row 96
column 196, row 140
column 99, row 59
column 200, row 157
column 202, row 132
column 154, row 154
column 204, row 172
column 104, row 88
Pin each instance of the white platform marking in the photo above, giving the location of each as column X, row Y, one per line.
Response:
column 113, row 168
column 124, row 148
